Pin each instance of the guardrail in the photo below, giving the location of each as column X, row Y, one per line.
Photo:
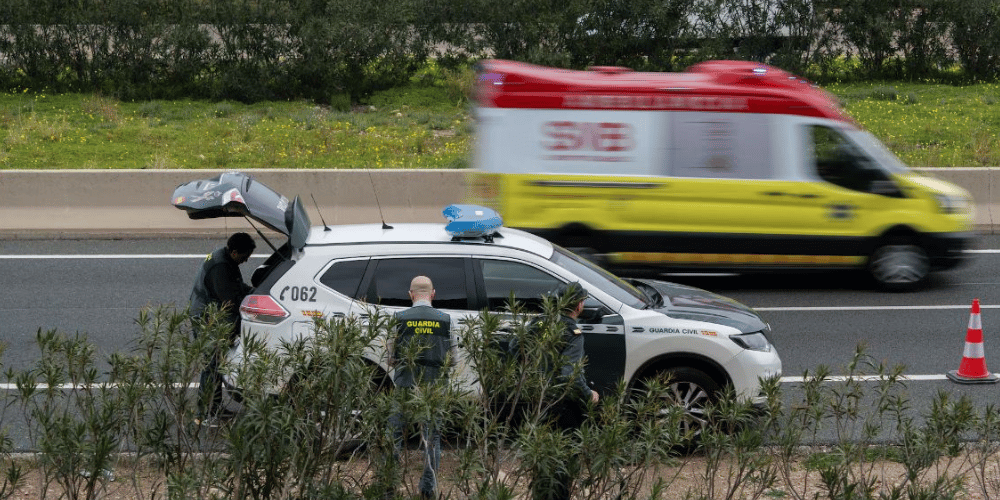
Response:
column 115, row 203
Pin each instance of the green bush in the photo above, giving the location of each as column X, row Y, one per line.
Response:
column 323, row 435
column 254, row 50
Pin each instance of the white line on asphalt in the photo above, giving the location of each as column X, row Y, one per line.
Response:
column 67, row 387
column 870, row 308
column 864, row 378
column 202, row 256
column 115, row 256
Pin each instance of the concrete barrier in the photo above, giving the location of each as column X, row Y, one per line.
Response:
column 116, row 203
column 136, row 203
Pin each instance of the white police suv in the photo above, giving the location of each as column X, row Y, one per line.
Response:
column 635, row 329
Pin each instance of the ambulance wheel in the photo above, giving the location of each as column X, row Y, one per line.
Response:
column 899, row 266
column 691, row 390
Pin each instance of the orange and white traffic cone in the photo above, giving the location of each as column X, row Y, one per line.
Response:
column 973, row 368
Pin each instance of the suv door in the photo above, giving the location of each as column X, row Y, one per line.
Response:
column 387, row 283
column 603, row 330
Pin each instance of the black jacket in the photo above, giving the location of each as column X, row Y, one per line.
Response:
column 219, row 281
column 425, row 334
column 571, row 353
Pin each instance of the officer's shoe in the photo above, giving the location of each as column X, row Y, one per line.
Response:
column 216, row 418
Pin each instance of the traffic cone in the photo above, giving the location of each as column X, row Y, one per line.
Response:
column 973, row 368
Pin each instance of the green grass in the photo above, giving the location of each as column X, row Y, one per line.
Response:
column 930, row 125
column 422, row 126
column 86, row 132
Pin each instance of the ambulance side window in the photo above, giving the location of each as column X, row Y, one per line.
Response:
column 838, row 161
column 713, row 145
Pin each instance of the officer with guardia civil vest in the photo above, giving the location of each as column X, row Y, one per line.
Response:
column 420, row 354
column 219, row 282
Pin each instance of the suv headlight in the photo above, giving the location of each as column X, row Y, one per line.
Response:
column 755, row 341
column 948, row 204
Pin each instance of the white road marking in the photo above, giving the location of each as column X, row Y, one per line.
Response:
column 202, row 256
column 67, row 387
column 865, row 378
column 871, row 308
column 115, row 256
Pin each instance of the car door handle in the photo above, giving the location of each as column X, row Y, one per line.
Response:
column 587, row 328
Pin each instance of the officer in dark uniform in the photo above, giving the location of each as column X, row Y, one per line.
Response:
column 568, row 412
column 421, row 350
column 219, row 282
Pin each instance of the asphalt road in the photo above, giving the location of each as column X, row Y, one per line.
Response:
column 98, row 287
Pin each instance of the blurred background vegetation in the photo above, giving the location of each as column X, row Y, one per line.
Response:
column 238, row 84
column 340, row 51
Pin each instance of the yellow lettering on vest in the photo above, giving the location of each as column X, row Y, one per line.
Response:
column 427, row 323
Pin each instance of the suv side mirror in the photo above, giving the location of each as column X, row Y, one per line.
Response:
column 612, row 319
column 598, row 316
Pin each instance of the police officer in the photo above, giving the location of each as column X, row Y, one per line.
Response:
column 219, row 282
column 420, row 353
column 568, row 412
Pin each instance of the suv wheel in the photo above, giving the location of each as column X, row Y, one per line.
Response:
column 691, row 390
column 899, row 266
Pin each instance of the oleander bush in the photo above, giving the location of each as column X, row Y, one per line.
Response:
column 131, row 433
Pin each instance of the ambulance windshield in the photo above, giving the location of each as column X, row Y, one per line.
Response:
column 874, row 147
column 607, row 282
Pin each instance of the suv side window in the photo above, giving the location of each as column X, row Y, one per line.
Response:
column 390, row 284
column 501, row 277
column 345, row 276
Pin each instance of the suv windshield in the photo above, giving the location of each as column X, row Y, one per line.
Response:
column 607, row 282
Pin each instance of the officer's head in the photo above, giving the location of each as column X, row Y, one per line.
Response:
column 421, row 288
column 240, row 246
column 571, row 297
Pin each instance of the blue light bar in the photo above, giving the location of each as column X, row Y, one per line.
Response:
column 471, row 221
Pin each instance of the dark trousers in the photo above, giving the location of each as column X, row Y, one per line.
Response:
column 210, row 381
column 557, row 484
column 430, row 436
column 210, row 387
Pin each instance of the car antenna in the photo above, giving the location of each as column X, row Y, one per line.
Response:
column 379, row 205
column 325, row 227
column 275, row 250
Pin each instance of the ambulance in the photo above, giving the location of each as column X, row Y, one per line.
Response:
column 729, row 165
